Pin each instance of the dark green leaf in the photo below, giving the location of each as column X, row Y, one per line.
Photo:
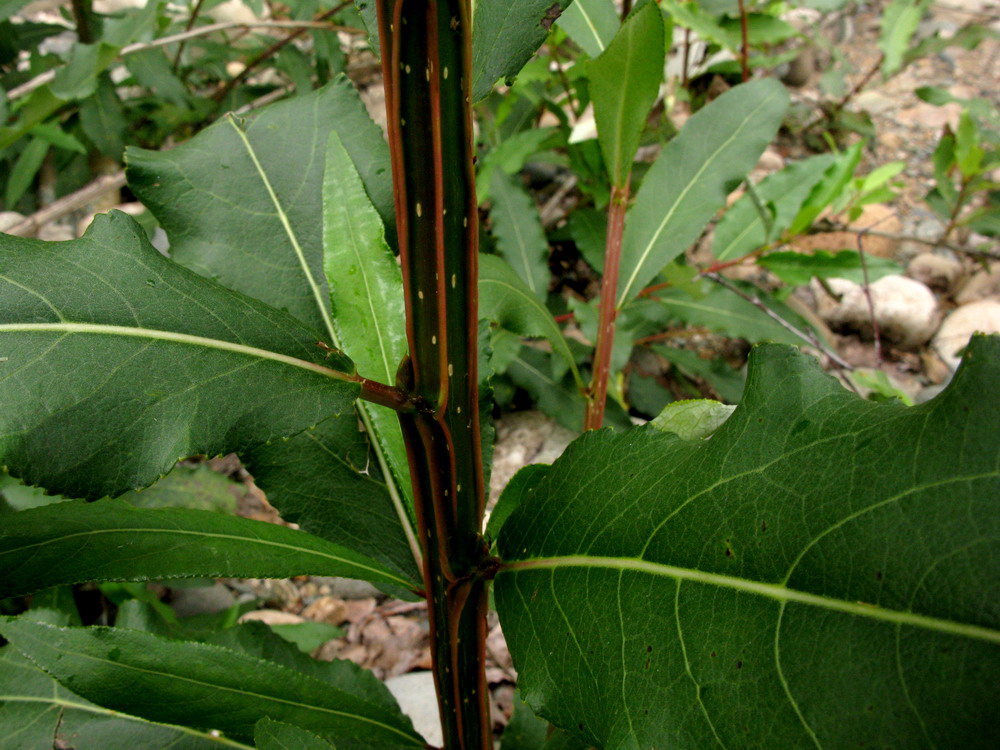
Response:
column 504, row 299
column 822, row 572
column 78, row 78
column 727, row 381
column 322, row 479
column 693, row 175
column 505, row 36
column 37, row 712
column 589, row 228
column 624, row 83
column 592, row 24
column 741, row 229
column 525, row 731
column 276, row 735
column 519, row 233
column 205, row 686
column 111, row 540
column 517, row 489
column 25, row 168
column 103, row 120
column 246, row 208
column 153, row 71
column 798, row 268
column 55, row 135
column 128, row 362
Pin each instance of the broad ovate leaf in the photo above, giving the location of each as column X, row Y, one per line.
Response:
column 112, row 540
column 692, row 176
column 505, row 36
column 242, row 200
column 208, row 687
column 624, row 82
column 116, row 362
column 823, row 572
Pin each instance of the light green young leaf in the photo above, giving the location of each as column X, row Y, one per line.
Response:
column 694, row 419
column 790, row 611
column 899, row 22
column 504, row 299
column 968, row 153
column 828, row 189
column 741, row 229
column 592, row 24
column 624, row 82
column 25, row 168
column 309, row 635
column 38, row 712
column 505, row 36
column 246, row 207
column 366, row 292
column 276, row 735
column 691, row 178
column 519, row 233
column 129, row 362
column 111, row 540
column 207, row 687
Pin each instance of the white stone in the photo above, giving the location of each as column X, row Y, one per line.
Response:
column 9, row 219
column 953, row 336
column 936, row 271
column 418, row 699
column 906, row 311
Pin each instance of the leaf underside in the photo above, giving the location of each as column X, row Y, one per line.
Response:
column 823, row 572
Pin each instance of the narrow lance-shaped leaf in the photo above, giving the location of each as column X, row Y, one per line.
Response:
column 366, row 289
column 899, row 22
column 206, row 687
column 822, row 572
column 38, row 712
column 592, row 24
column 111, row 540
column 624, row 82
column 505, row 299
column 519, row 233
column 693, row 175
column 128, row 362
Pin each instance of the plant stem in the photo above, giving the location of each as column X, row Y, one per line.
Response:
column 745, row 45
column 187, row 27
column 426, row 61
column 594, row 417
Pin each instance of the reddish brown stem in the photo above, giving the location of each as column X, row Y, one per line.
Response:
column 745, row 46
column 594, row 417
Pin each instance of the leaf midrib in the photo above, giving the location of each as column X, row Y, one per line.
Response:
column 778, row 592
column 177, row 338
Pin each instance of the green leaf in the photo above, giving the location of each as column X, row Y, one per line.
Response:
column 37, row 712
column 366, row 291
column 722, row 310
column 25, row 168
column 968, row 153
column 511, row 155
column 505, row 36
column 589, row 228
column 525, row 731
column 517, row 490
column 246, row 207
column 308, row 636
column 505, row 300
column 828, row 189
column 695, row 419
column 322, row 479
column 592, row 24
column 78, row 78
column 691, row 178
column 798, row 268
column 129, row 362
column 519, row 233
column 204, row 686
column 276, row 735
column 727, row 381
column 111, row 540
column 196, row 487
column 624, row 83
column 10, row 7
column 153, row 71
column 54, row 134
column 741, row 229
column 822, row 572
column 899, row 23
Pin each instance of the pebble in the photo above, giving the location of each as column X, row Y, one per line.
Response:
column 9, row 219
column 941, row 273
column 346, row 588
column 906, row 310
column 417, row 697
column 983, row 284
column 203, row 600
column 958, row 327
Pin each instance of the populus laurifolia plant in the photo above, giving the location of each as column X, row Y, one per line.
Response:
column 821, row 571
